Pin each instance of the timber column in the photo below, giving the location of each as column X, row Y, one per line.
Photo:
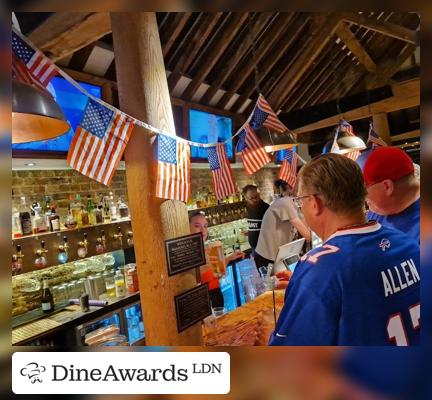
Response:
column 143, row 93
column 381, row 126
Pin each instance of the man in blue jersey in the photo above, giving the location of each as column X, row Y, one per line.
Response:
column 393, row 190
column 362, row 287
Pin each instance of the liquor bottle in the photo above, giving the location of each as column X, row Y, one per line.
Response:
column 16, row 224
column 25, row 218
column 47, row 298
column 54, row 221
column 39, row 223
column 75, row 207
column 70, row 221
column 113, row 207
column 90, row 210
column 98, row 214
column 106, row 210
column 120, row 286
column 83, row 218
column 123, row 209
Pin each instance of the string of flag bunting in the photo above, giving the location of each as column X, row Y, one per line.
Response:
column 104, row 131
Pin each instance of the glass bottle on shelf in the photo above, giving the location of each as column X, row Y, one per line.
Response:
column 120, row 286
column 90, row 210
column 98, row 214
column 25, row 217
column 54, row 221
column 113, row 207
column 83, row 219
column 106, row 210
column 70, row 221
column 39, row 223
column 123, row 209
column 47, row 302
column 16, row 224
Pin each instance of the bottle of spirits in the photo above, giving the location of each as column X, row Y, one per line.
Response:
column 98, row 214
column 39, row 223
column 54, row 221
column 16, row 224
column 83, row 219
column 106, row 210
column 90, row 210
column 47, row 298
column 25, row 217
column 75, row 207
column 70, row 221
column 123, row 209
column 113, row 207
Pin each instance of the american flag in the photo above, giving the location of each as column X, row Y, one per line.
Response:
column 40, row 66
column 99, row 142
column 22, row 74
column 223, row 177
column 353, row 155
column 173, row 174
column 374, row 138
column 252, row 150
column 288, row 170
column 263, row 115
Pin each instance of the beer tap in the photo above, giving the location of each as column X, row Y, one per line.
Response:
column 130, row 241
column 41, row 261
column 100, row 243
column 17, row 261
column 83, row 247
column 63, row 254
column 118, row 236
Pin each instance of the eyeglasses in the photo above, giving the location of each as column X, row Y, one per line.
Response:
column 298, row 200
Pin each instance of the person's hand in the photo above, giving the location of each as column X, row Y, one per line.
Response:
column 283, row 278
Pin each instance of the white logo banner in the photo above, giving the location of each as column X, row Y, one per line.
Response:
column 120, row 372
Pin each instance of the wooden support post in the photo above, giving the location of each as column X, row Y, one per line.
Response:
column 381, row 126
column 143, row 93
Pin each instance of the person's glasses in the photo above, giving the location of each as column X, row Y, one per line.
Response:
column 298, row 200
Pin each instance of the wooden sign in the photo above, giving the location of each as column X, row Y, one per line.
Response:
column 184, row 253
column 192, row 306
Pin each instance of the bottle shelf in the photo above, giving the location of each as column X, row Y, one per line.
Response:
column 223, row 213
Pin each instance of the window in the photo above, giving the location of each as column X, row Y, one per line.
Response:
column 72, row 102
column 205, row 127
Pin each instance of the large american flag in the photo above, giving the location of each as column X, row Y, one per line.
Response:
column 288, row 169
column 99, row 142
column 252, row 150
column 353, row 155
column 263, row 115
column 40, row 66
column 223, row 177
column 374, row 138
column 173, row 174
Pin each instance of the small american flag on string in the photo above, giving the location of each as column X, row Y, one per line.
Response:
column 99, row 142
column 263, row 115
column 173, row 174
column 353, row 155
column 374, row 138
column 252, row 150
column 40, row 66
column 223, row 177
column 288, row 169
column 22, row 74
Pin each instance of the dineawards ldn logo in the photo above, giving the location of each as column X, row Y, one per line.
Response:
column 33, row 371
column 121, row 372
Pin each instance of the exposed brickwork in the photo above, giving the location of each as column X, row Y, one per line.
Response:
column 59, row 184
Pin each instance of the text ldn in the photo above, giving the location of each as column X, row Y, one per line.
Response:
column 204, row 368
column 62, row 373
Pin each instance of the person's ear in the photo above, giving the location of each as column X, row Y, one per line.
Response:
column 317, row 205
column 388, row 186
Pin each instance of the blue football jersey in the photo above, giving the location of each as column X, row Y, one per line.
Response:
column 408, row 221
column 362, row 287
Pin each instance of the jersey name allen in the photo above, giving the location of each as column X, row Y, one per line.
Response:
column 399, row 277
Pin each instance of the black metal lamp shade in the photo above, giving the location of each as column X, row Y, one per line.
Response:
column 35, row 115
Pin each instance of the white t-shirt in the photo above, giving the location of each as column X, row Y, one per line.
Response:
column 276, row 228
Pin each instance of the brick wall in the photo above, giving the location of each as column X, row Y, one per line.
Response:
column 60, row 184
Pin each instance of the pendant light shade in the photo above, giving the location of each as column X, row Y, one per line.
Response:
column 350, row 143
column 274, row 141
column 35, row 114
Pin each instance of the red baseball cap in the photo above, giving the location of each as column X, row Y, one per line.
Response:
column 387, row 163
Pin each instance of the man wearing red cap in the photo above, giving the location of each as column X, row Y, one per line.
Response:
column 393, row 191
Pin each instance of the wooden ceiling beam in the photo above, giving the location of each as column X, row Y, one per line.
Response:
column 242, row 48
column 408, row 95
column 268, row 63
column 278, row 28
column 405, row 136
column 384, row 27
column 345, row 34
column 322, row 33
column 169, row 36
column 64, row 33
column 193, row 46
column 221, row 45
